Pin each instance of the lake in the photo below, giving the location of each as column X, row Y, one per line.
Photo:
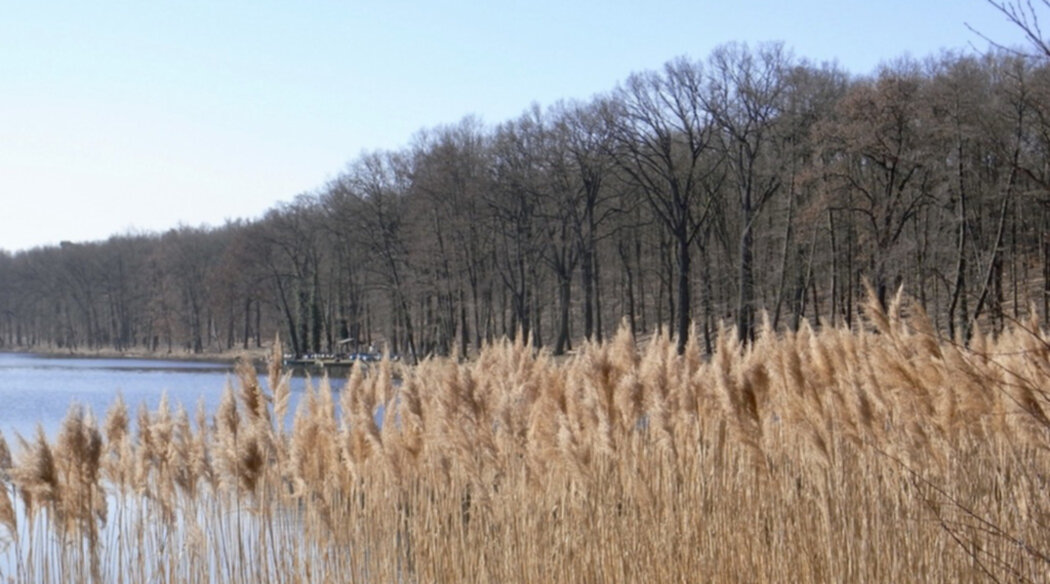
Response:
column 39, row 389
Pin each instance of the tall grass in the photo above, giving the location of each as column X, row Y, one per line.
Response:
column 876, row 455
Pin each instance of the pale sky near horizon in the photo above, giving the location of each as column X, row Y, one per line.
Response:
column 130, row 116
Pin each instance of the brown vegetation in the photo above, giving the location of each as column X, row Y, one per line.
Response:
column 880, row 454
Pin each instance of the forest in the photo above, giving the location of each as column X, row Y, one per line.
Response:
column 749, row 184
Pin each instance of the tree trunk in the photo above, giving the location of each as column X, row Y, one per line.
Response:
column 959, row 286
column 587, row 283
column 684, row 297
column 745, row 318
column 564, row 296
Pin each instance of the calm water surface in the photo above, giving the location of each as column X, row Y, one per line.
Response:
column 36, row 389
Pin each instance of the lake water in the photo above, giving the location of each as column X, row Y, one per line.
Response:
column 39, row 390
column 36, row 389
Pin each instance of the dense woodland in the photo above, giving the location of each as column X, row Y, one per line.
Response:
column 707, row 191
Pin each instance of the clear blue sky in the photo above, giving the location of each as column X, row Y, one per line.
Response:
column 141, row 115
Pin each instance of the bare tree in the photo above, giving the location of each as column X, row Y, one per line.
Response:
column 519, row 171
column 379, row 181
column 587, row 140
column 450, row 176
column 1024, row 15
column 876, row 164
column 743, row 97
column 663, row 142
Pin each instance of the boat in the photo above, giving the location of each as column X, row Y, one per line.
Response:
column 326, row 361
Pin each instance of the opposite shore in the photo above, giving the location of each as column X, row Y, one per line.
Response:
column 256, row 356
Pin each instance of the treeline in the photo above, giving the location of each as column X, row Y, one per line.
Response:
column 704, row 192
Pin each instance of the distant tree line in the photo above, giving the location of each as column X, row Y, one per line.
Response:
column 702, row 193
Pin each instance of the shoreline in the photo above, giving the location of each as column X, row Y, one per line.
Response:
column 254, row 356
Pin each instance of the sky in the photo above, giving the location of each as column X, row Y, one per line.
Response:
column 122, row 117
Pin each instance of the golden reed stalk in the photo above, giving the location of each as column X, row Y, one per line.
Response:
column 884, row 454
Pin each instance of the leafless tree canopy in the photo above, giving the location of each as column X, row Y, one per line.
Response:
column 707, row 192
column 1025, row 16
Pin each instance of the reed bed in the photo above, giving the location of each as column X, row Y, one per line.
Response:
column 876, row 455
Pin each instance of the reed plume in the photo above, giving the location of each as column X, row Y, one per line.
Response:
column 5, row 459
column 253, row 398
column 8, row 517
column 280, row 385
column 33, row 472
column 882, row 453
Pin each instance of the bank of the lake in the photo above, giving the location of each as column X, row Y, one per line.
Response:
column 254, row 355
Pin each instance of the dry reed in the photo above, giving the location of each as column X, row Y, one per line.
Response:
column 879, row 454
